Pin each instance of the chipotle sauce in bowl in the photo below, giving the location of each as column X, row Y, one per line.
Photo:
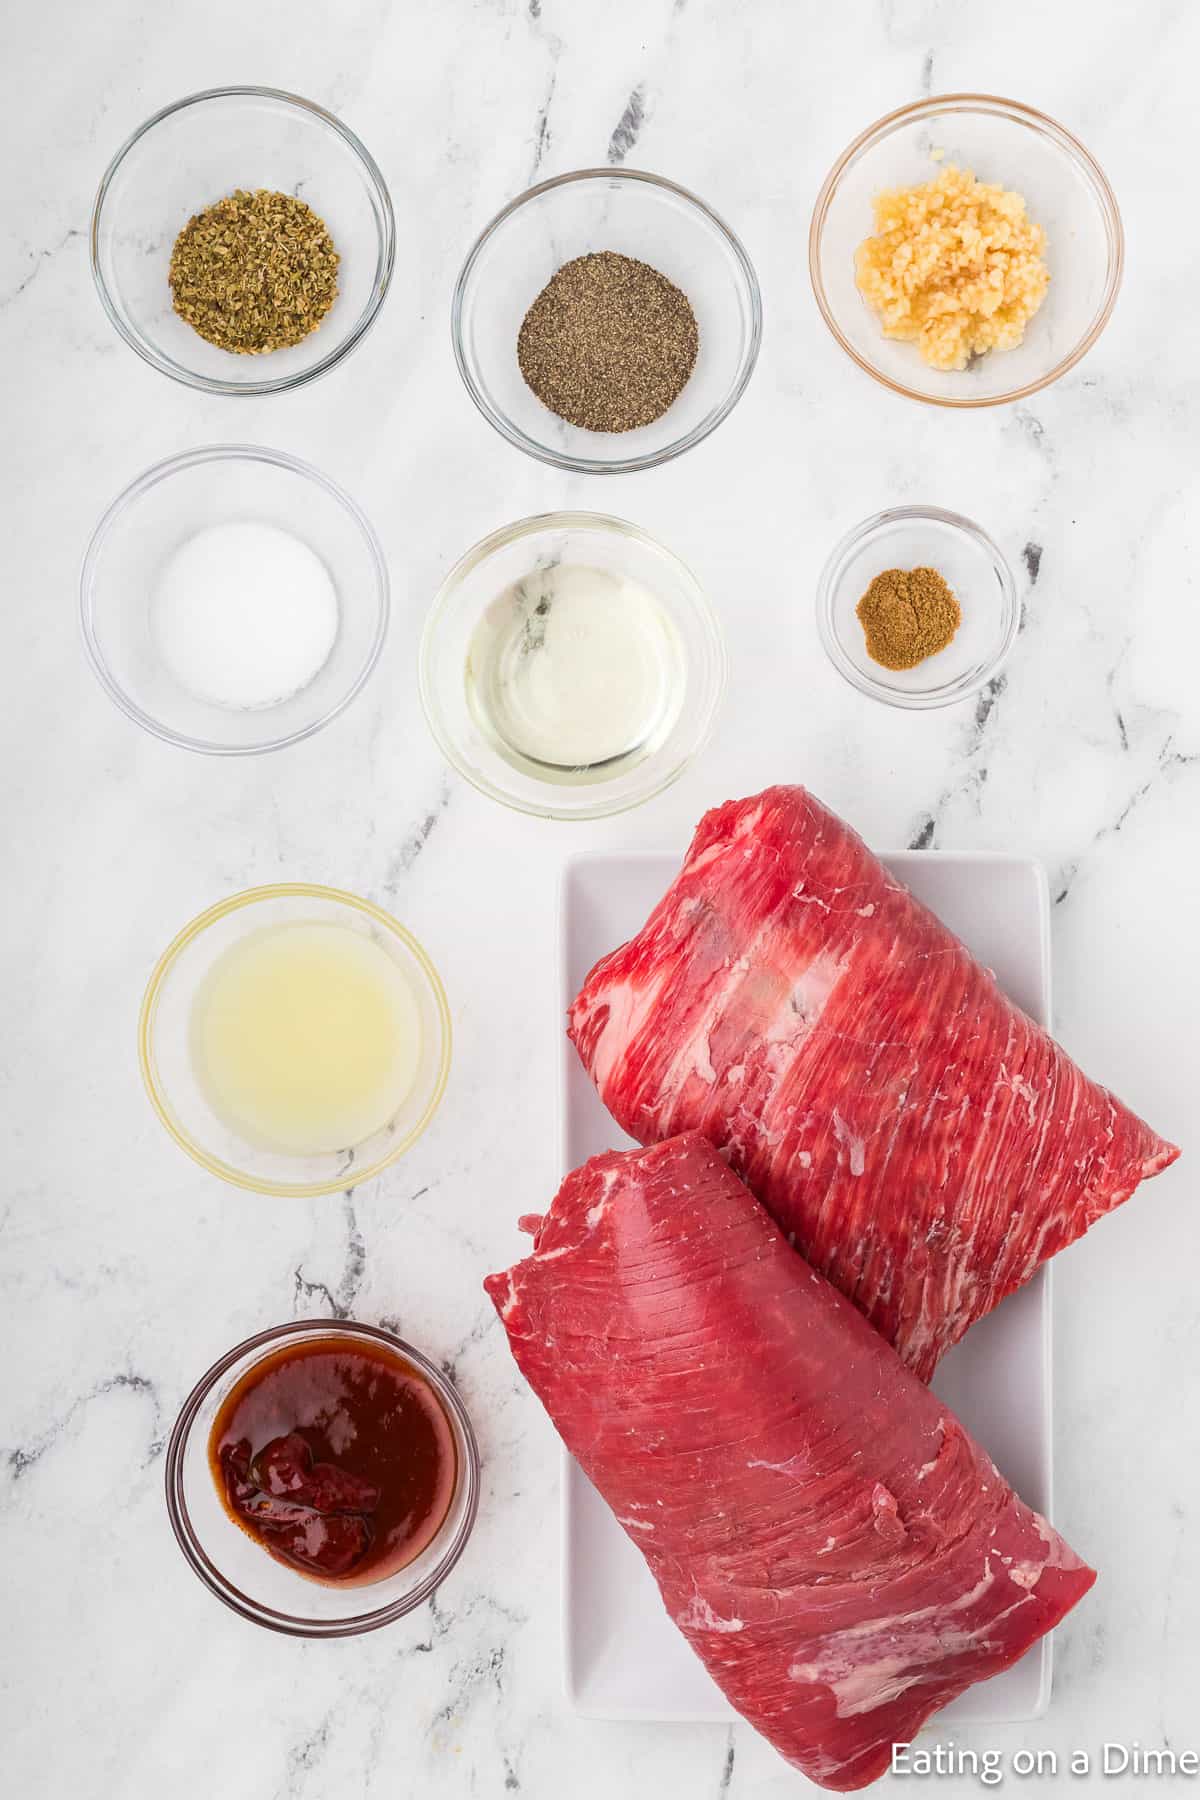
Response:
column 337, row 1456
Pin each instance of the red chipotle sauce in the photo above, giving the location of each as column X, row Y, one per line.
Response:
column 337, row 1456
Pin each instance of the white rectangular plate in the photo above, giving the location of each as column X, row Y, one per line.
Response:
column 624, row 1659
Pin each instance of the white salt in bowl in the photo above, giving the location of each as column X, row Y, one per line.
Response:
column 161, row 511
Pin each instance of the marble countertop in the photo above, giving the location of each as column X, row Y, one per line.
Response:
column 125, row 1270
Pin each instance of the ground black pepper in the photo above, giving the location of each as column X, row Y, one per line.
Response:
column 609, row 343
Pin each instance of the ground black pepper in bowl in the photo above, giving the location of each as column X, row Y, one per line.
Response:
column 609, row 344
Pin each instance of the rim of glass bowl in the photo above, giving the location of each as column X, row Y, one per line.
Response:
column 284, row 890
column 591, row 465
column 1048, row 127
column 950, row 692
column 509, row 534
column 384, row 262
column 150, row 478
column 290, row 1624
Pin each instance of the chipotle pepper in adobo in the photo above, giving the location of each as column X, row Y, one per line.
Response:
column 337, row 1456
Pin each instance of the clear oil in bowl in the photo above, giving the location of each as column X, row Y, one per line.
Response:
column 575, row 674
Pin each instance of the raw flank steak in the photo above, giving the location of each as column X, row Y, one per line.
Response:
column 837, row 1550
column 925, row 1144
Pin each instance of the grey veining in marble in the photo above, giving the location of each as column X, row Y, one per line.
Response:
column 124, row 1270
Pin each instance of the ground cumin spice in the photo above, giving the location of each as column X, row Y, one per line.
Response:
column 907, row 615
column 609, row 343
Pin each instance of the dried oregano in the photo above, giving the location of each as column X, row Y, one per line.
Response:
column 255, row 272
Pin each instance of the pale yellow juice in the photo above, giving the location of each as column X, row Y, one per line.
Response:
column 305, row 1038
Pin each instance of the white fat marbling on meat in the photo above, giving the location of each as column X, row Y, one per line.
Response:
column 862, row 1686
column 505, row 1306
column 629, row 1004
column 693, row 1056
column 745, row 826
column 778, row 1468
column 807, row 1000
column 799, row 894
column 861, row 1681
column 1059, row 1554
column 698, row 1615
column 854, row 1146
column 928, row 1467
column 595, row 1213
column 1024, row 1090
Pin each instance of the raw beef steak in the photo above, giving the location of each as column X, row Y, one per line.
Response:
column 922, row 1141
column 840, row 1554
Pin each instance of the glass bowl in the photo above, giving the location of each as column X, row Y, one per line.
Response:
column 999, row 141
column 636, row 215
column 194, row 153
column 165, row 1051
column 514, row 552
column 244, row 1575
column 911, row 537
column 158, row 512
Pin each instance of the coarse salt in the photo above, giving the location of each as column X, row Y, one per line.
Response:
column 245, row 615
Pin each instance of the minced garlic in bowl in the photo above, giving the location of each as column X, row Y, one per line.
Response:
column 955, row 266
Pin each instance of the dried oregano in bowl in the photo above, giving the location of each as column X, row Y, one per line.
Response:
column 254, row 272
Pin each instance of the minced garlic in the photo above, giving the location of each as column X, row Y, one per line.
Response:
column 955, row 266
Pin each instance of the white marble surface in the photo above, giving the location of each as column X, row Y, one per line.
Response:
column 125, row 1269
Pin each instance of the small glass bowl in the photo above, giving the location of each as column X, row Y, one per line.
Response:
column 998, row 141
column 196, row 152
column 508, row 555
column 145, row 524
column 636, row 215
column 244, row 1575
column 164, row 1041
column 912, row 537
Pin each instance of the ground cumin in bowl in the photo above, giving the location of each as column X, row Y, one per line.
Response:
column 907, row 615
column 917, row 607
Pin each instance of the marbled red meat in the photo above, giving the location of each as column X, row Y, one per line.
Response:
column 840, row 1554
column 924, row 1143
